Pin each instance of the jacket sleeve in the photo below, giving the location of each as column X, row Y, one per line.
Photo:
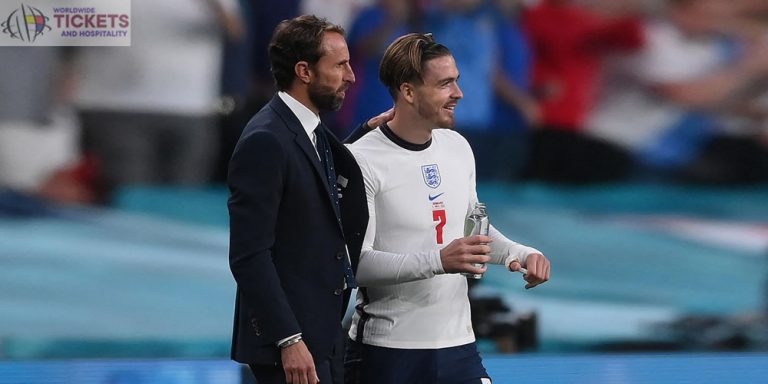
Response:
column 359, row 132
column 255, row 180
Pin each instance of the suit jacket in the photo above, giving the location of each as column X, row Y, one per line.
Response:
column 286, row 243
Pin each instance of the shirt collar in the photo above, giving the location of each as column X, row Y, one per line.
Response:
column 308, row 119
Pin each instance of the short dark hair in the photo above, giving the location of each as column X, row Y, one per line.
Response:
column 294, row 40
column 404, row 60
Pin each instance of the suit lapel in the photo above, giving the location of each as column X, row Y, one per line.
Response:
column 302, row 141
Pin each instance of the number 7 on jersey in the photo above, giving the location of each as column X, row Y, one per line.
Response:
column 439, row 216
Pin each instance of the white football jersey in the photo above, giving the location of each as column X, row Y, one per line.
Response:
column 418, row 199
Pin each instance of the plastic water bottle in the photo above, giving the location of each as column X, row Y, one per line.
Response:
column 476, row 224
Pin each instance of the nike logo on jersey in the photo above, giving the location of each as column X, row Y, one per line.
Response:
column 431, row 198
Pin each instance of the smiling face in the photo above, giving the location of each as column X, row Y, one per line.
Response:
column 436, row 99
column 331, row 75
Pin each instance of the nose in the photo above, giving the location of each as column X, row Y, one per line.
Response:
column 349, row 74
column 457, row 93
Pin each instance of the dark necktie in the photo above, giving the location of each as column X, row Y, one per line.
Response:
column 324, row 150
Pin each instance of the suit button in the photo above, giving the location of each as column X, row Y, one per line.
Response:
column 339, row 255
column 338, row 291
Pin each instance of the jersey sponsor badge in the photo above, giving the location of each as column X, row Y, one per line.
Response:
column 431, row 175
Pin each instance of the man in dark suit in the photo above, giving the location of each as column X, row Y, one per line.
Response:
column 297, row 214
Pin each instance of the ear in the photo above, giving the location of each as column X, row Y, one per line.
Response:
column 407, row 92
column 301, row 69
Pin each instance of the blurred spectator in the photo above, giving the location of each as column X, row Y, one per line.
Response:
column 515, row 110
column 247, row 83
column 240, row 98
column 665, row 105
column 468, row 28
column 263, row 24
column 373, row 29
column 339, row 12
column 475, row 30
column 570, row 42
column 39, row 134
column 148, row 111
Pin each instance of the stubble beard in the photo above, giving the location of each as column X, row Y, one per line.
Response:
column 436, row 118
column 325, row 98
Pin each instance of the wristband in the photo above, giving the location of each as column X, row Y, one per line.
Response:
column 289, row 342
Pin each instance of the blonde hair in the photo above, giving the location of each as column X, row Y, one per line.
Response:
column 404, row 60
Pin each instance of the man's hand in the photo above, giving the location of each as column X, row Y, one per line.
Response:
column 382, row 118
column 298, row 364
column 538, row 269
column 461, row 254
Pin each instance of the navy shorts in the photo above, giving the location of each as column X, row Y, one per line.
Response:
column 380, row 365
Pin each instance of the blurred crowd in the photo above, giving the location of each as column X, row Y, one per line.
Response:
column 558, row 91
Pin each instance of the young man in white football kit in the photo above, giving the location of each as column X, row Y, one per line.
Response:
column 412, row 320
